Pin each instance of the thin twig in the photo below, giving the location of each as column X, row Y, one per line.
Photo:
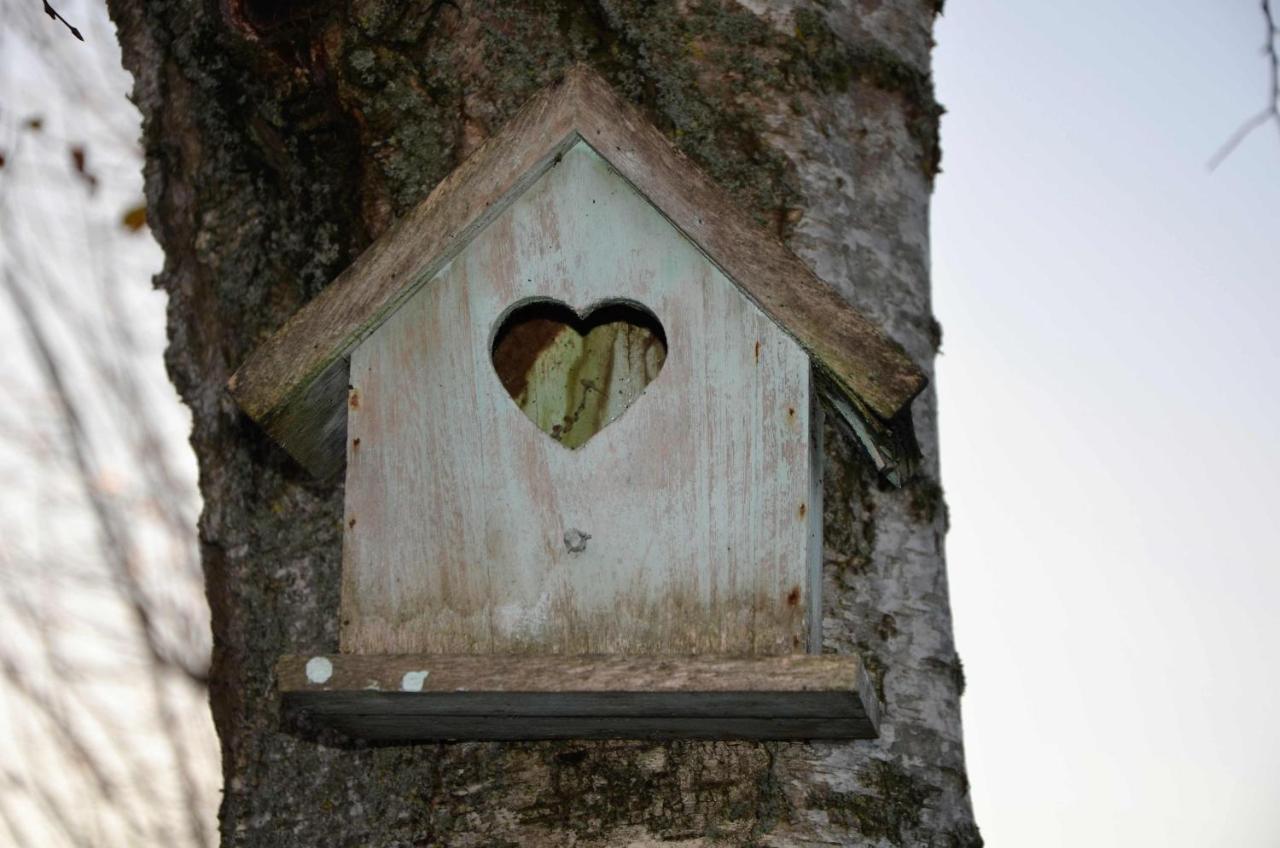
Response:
column 53, row 13
column 1272, row 111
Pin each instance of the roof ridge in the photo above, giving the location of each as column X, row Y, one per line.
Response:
column 295, row 384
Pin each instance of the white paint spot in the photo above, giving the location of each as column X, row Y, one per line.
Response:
column 319, row 670
column 413, row 680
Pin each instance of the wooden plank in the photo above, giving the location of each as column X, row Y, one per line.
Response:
column 392, row 728
column 849, row 351
column 813, row 513
column 531, row 673
column 681, row 527
column 549, row 697
column 891, row 445
column 294, row 385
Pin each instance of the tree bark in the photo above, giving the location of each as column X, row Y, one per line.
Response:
column 282, row 137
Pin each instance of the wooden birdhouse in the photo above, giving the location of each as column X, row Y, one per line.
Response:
column 577, row 395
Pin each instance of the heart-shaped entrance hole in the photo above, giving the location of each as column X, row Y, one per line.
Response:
column 573, row 375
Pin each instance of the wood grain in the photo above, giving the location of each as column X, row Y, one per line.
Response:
column 686, row 525
column 295, row 384
column 519, row 697
column 574, row 375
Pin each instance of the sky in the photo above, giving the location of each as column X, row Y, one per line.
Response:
column 1108, row 418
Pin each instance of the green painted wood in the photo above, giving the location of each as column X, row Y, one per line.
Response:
column 685, row 525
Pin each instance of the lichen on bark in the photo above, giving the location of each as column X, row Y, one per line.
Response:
column 282, row 137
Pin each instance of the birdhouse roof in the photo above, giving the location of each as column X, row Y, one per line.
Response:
column 295, row 384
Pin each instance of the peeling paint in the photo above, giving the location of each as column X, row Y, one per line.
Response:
column 413, row 681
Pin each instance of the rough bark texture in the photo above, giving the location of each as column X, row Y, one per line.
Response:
column 281, row 137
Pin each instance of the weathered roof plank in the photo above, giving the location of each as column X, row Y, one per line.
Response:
column 295, row 384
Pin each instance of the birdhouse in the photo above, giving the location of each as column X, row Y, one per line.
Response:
column 578, row 396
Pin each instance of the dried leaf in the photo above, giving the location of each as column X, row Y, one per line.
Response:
column 135, row 218
column 79, row 161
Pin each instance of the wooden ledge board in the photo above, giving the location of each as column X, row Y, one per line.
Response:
column 295, row 384
column 424, row 697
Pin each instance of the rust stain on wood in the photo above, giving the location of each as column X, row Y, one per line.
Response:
column 518, row 347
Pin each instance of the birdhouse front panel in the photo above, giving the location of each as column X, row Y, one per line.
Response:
column 581, row 437
column 575, row 392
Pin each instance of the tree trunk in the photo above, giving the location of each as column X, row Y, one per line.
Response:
column 282, row 137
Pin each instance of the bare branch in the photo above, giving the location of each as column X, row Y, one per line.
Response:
column 115, row 543
column 1270, row 114
column 113, row 529
column 64, row 732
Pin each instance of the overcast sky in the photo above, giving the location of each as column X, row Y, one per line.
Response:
column 1109, row 419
